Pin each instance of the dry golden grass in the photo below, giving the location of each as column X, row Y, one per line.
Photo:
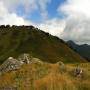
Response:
column 7, row 79
column 54, row 82
column 47, row 77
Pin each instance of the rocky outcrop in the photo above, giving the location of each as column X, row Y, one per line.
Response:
column 10, row 64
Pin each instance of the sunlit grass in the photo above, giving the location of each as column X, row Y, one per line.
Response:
column 47, row 77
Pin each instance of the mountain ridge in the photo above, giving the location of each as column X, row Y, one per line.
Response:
column 16, row 40
column 83, row 50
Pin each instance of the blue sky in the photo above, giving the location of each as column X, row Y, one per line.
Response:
column 36, row 11
column 35, row 15
column 52, row 8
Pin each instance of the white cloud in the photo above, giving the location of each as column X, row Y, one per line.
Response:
column 43, row 6
column 73, row 7
column 77, row 21
column 8, row 8
column 10, row 18
column 13, row 20
column 29, row 6
column 53, row 26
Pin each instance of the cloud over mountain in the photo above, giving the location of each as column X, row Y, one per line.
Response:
column 70, row 22
column 77, row 20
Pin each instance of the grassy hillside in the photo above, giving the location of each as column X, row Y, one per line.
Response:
column 20, row 39
column 47, row 76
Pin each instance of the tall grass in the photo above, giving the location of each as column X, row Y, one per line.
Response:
column 54, row 82
column 46, row 77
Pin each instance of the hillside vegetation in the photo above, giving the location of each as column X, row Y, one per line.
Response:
column 16, row 40
column 46, row 76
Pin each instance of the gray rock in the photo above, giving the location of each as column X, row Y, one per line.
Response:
column 36, row 60
column 78, row 71
column 62, row 66
column 10, row 64
column 25, row 58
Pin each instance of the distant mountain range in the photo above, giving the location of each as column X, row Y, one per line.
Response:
column 83, row 50
column 16, row 40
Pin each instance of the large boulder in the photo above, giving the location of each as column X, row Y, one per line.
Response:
column 10, row 64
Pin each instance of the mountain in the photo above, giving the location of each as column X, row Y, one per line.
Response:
column 16, row 40
column 83, row 50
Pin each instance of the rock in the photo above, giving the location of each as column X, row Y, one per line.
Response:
column 78, row 71
column 25, row 58
column 60, row 63
column 62, row 66
column 10, row 64
column 36, row 60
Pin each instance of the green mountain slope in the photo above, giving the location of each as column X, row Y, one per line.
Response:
column 16, row 40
